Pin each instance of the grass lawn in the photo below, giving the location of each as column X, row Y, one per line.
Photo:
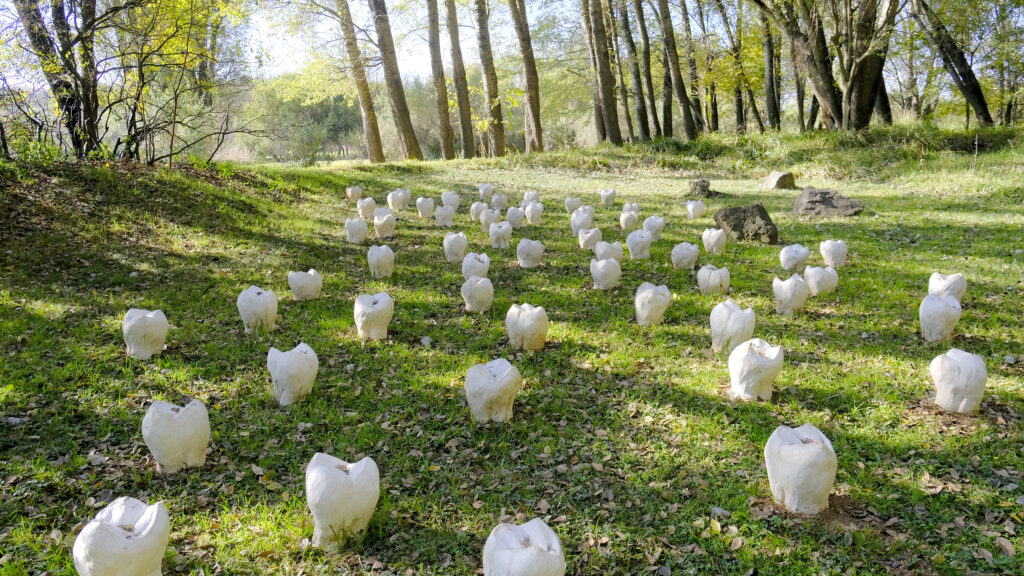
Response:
column 624, row 439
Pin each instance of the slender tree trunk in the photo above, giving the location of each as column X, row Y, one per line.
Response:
column 798, row 80
column 882, row 106
column 535, row 137
column 668, row 37
column 613, row 41
column 645, row 67
column 736, row 48
column 461, row 84
column 393, row 81
column 666, row 97
column 771, row 98
column 483, row 35
column 634, row 71
column 691, row 63
column 5, row 151
column 812, row 116
column 713, row 106
column 755, row 111
column 440, row 86
column 592, row 58
column 605, row 80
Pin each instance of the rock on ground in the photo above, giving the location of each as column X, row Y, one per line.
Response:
column 702, row 189
column 780, row 180
column 748, row 223
column 819, row 202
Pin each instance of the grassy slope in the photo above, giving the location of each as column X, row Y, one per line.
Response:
column 623, row 438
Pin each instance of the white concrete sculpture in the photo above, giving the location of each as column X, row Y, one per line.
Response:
column 650, row 303
column 306, row 285
column 711, row 280
column 753, row 367
column 801, row 468
column 938, row 316
column 714, row 240
column 954, row 285
column 608, row 197
column 444, row 216
column 605, row 250
column 515, row 216
column 491, row 389
column 821, row 280
column 531, row 549
column 582, row 217
column 384, row 224
column 684, row 256
column 366, row 206
column 478, row 294
column 455, row 245
column 790, row 294
column 833, row 252
column 451, row 199
column 529, row 253
column 381, row 260
column 959, row 379
column 695, row 209
column 425, row 207
column 530, row 196
column 342, row 498
column 655, row 225
column 572, row 203
column 606, row 273
column 144, row 332
column 632, row 207
column 354, row 193
column 258, row 308
column 292, row 373
column 373, row 313
column 399, row 198
column 588, row 238
column 534, row 213
column 177, row 435
column 730, row 325
column 499, row 202
column 486, row 191
column 475, row 265
column 501, row 234
column 476, row 209
column 125, row 538
column 639, row 244
column 628, row 220
column 527, row 326
column 794, row 257
column 356, row 230
column 488, row 217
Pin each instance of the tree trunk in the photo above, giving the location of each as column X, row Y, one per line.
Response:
column 535, row 138
column 771, row 98
column 666, row 97
column 882, row 107
column 691, row 63
column 461, row 84
column 812, row 116
column 393, row 81
column 613, row 45
column 605, row 80
column 483, row 37
column 592, row 58
column 713, row 106
column 645, row 67
column 440, row 86
column 374, row 148
column 668, row 37
column 5, row 151
column 634, row 71
column 798, row 79
column 755, row 111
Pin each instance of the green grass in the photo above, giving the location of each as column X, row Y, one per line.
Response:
column 623, row 438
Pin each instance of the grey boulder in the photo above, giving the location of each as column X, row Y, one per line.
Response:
column 748, row 223
column 822, row 202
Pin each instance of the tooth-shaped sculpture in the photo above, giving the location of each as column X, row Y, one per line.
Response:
column 444, row 216
column 490, row 390
column 628, row 220
column 651, row 302
column 399, row 198
column 534, row 213
column 144, row 332
column 486, row 191
column 501, row 235
column 531, row 549
column 604, row 250
column 499, row 202
column 478, row 294
column 954, row 285
column 425, row 207
column 475, row 265
column 530, row 196
column 684, row 256
column 529, row 253
column 631, row 207
column 581, row 218
column 730, row 325
column 572, row 203
column 938, row 316
column 488, row 217
column 588, row 238
column 714, row 240
column 833, row 252
column 342, row 498
column 639, row 244
column 655, row 225
column 476, row 209
column 821, row 280
column 695, row 208
column 381, row 260
column 384, row 224
column 515, row 217
column 450, row 199
column 608, row 197
column 801, row 468
column 355, row 230
column 366, row 206
column 258, row 308
column 794, row 257
column 606, row 273
column 354, row 193
column 527, row 326
column 753, row 367
column 959, row 379
column 790, row 294
column 126, row 537
column 305, row 285
column 373, row 313
column 711, row 280
column 176, row 435
column 455, row 244
column 292, row 373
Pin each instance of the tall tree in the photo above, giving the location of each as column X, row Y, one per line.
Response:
column 645, row 66
column 440, row 86
column 668, row 38
column 643, row 127
column 371, row 131
column 393, row 81
column 461, row 84
column 736, row 49
column 613, row 46
column 483, row 36
column 770, row 84
column 534, row 134
column 691, row 63
column 588, row 35
column 605, row 80
column 666, row 96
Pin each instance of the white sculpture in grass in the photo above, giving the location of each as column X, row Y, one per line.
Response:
column 959, row 379
column 450, row 199
column 954, row 285
column 527, row 326
column 790, row 294
column 821, row 280
column 684, row 256
column 491, row 389
column 631, row 207
column 292, row 373
column 588, row 238
column 605, row 250
column 305, row 285
column 938, row 316
column 356, row 230
column 501, row 234
column 712, row 280
column 455, row 245
column 582, row 217
column 144, row 332
column 488, row 217
column 373, row 313
column 478, row 294
column 342, row 498
column 801, row 468
column 530, row 196
column 628, row 220
column 650, row 303
column 606, row 273
column 833, row 252
column 794, row 257
column 529, row 253
column 444, row 216
column 425, row 207
column 125, row 538
column 177, row 435
column 381, row 260
column 475, row 265
column 608, row 197
column 730, row 325
column 530, row 549
column 499, row 202
column 655, row 225
column 476, row 209
column 515, row 216
column 366, row 206
column 258, row 308
column 639, row 244
column 695, row 209
column 397, row 199
column 354, row 193
column 486, row 192
column 384, row 224
column 753, row 367
column 572, row 203
column 534, row 213
column 714, row 240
